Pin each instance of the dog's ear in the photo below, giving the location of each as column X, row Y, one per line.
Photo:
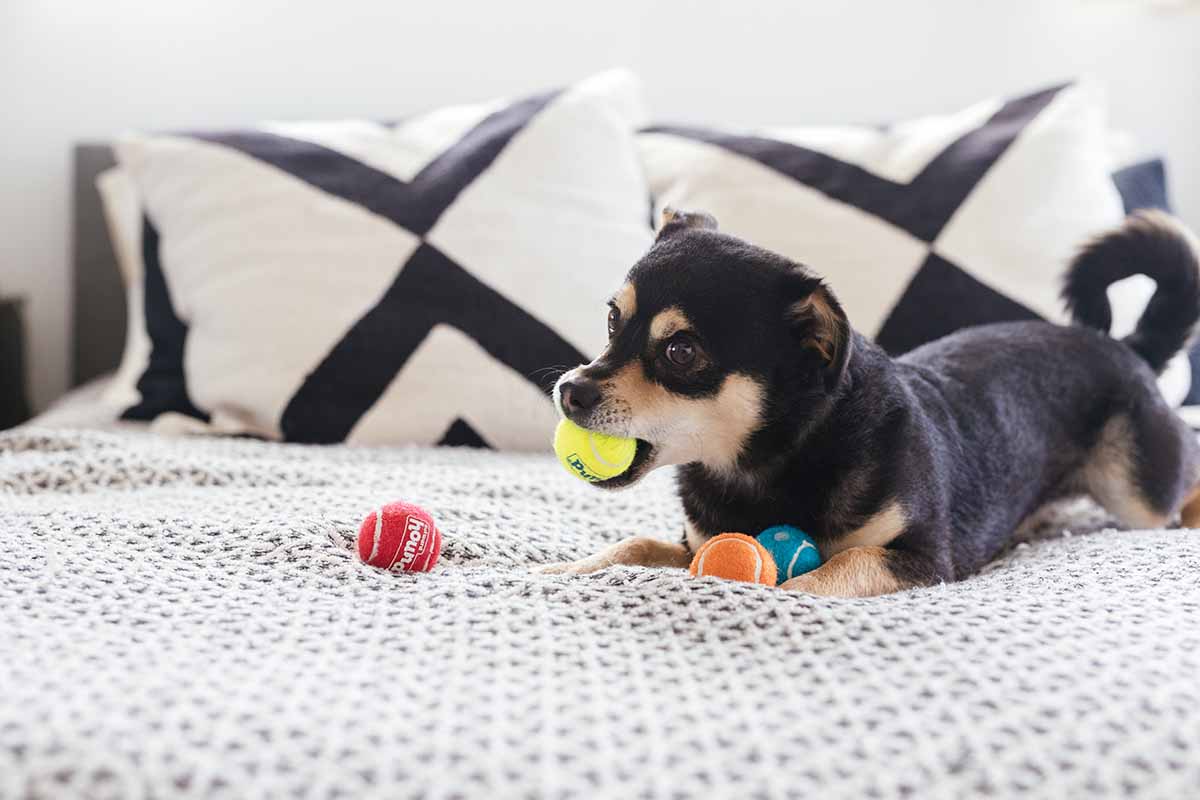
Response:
column 673, row 221
column 817, row 320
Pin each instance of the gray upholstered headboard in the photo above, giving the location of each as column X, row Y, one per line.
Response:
column 99, row 317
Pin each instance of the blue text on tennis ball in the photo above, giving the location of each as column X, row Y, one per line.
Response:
column 794, row 551
column 592, row 456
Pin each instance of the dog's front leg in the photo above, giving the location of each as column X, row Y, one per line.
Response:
column 857, row 572
column 637, row 551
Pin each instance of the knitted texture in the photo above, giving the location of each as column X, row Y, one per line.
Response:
column 187, row 617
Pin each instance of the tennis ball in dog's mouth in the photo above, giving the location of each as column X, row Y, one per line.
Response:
column 592, row 456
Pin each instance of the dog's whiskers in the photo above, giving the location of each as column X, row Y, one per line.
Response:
column 550, row 374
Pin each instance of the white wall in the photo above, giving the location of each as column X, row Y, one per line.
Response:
column 73, row 70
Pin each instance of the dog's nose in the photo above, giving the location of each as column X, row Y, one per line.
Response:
column 579, row 395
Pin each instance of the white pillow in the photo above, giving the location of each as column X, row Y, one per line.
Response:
column 123, row 216
column 417, row 282
column 922, row 227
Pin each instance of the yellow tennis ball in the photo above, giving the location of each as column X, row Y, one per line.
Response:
column 592, row 456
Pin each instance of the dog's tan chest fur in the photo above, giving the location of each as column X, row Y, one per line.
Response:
column 878, row 531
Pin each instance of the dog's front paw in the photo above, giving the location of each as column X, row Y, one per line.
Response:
column 797, row 584
column 581, row 567
column 636, row 551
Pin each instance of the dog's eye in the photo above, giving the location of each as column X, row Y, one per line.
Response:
column 681, row 351
column 614, row 316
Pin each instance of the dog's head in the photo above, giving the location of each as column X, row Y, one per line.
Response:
column 716, row 347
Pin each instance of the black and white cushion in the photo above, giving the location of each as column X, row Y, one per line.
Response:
column 923, row 227
column 409, row 282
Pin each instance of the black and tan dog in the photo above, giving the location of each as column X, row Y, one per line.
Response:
column 741, row 367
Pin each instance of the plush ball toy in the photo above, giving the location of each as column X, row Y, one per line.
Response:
column 592, row 456
column 401, row 537
column 793, row 551
column 735, row 557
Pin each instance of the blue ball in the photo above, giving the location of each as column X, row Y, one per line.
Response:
column 794, row 551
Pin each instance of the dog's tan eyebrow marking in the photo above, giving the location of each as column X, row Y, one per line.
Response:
column 888, row 523
column 626, row 301
column 668, row 322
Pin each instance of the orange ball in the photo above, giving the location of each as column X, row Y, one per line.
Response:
column 735, row 557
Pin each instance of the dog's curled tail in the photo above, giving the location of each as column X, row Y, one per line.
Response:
column 1150, row 243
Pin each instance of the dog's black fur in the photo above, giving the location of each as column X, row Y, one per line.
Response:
column 964, row 437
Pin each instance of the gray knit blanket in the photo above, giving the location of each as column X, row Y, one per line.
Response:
column 184, row 617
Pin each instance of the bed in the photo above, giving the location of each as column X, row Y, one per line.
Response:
column 186, row 616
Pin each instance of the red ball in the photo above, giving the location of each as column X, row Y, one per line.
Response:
column 401, row 537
